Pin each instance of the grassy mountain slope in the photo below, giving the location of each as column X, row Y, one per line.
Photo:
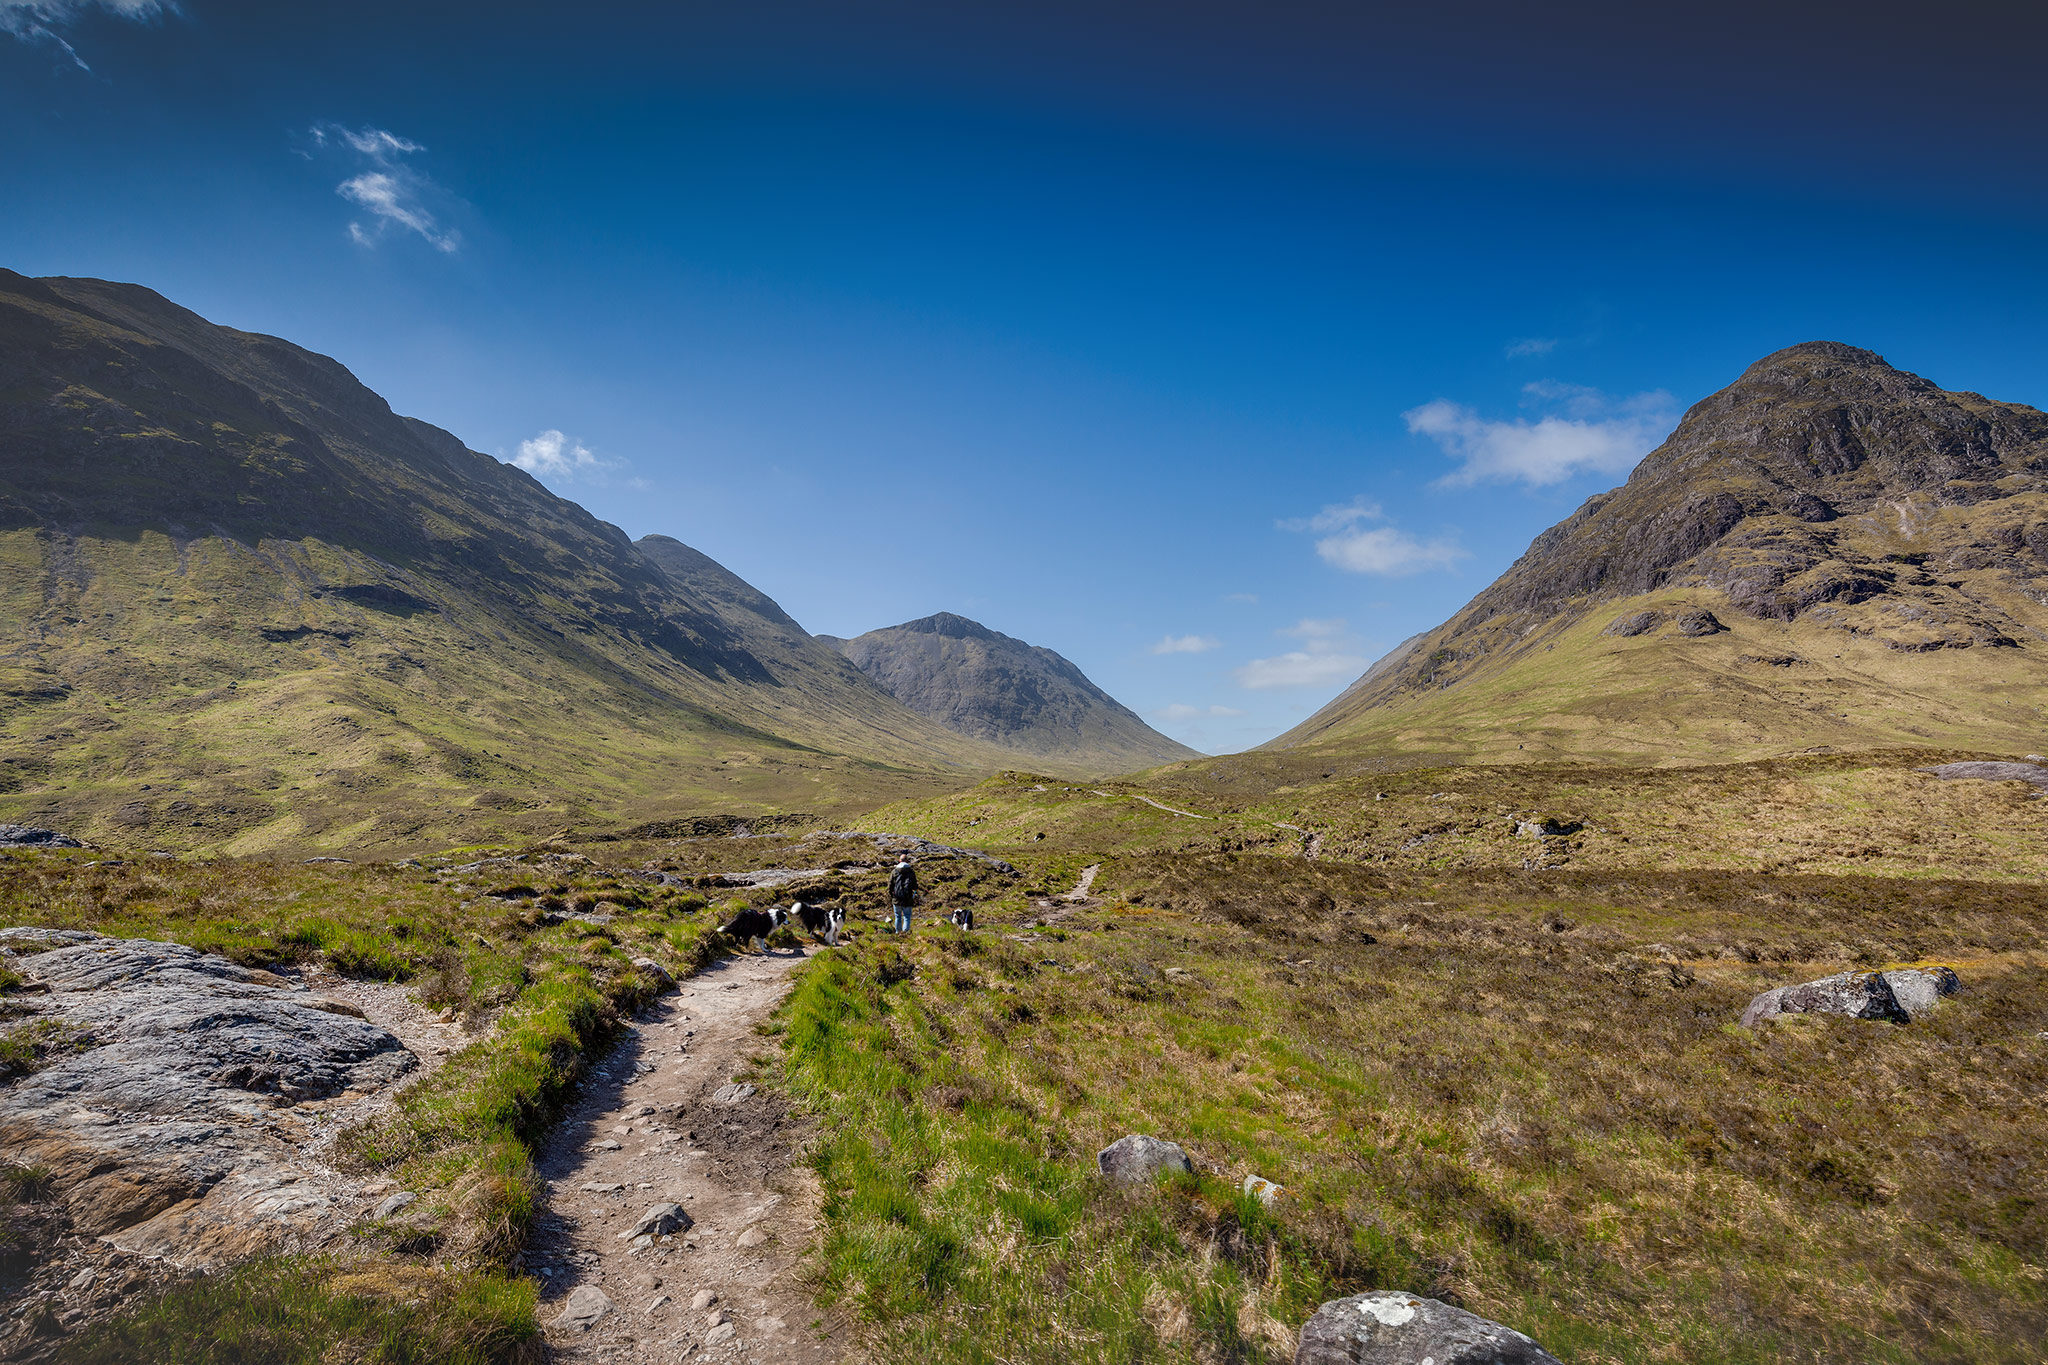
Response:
column 1829, row 552
column 988, row 686
column 247, row 606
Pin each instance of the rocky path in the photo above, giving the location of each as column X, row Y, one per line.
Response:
column 1157, row 805
column 666, row 1129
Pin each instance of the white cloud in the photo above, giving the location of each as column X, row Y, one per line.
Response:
column 1326, row 656
column 390, row 191
column 39, row 20
column 1186, row 644
column 1522, row 346
column 1377, row 550
column 1250, row 597
column 1594, row 434
column 1180, row 712
column 552, row 455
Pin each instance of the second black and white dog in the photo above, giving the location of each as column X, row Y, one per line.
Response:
column 753, row 926
column 821, row 921
column 963, row 917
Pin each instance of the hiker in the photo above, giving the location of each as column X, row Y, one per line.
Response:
column 903, row 892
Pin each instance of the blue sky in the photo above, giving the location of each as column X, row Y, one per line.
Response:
column 1219, row 347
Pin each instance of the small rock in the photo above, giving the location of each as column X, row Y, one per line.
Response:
column 662, row 1219
column 1139, row 1157
column 603, row 1145
column 596, row 1187
column 584, row 1306
column 643, row 1241
column 1263, row 1190
column 392, row 1203
column 1388, row 1328
column 621, row 1129
column 661, row 1301
column 751, row 1238
column 705, row 1298
column 648, row 967
column 718, row 1318
column 83, row 1279
column 720, row 1334
column 733, row 1093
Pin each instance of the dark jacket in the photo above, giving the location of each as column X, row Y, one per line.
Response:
column 903, row 886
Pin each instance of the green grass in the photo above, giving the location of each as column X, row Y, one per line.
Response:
column 318, row 1311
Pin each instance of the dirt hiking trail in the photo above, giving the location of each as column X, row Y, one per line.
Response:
column 665, row 1122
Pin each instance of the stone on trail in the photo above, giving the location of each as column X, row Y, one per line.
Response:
column 732, row 1094
column 751, row 1238
column 720, row 1334
column 705, row 1298
column 1140, row 1157
column 1391, row 1328
column 653, row 970
column 1899, row 996
column 584, row 1306
column 660, row 1220
column 598, row 1187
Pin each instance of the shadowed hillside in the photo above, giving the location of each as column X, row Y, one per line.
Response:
column 1829, row 552
column 988, row 686
column 249, row 606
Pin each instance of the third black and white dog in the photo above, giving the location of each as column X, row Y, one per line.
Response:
column 753, row 926
column 821, row 921
column 963, row 917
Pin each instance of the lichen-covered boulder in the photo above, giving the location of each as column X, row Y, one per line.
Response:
column 1390, row 1328
column 1138, row 1158
column 1898, row 996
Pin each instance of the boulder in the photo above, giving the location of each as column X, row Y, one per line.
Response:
column 1696, row 623
column 1898, row 996
column 1139, row 1158
column 1991, row 772
column 1634, row 623
column 1391, row 1328
column 28, row 836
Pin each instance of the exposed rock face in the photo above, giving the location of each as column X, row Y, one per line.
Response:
column 1823, row 487
column 1139, row 1158
column 1898, row 996
column 1390, row 1328
column 178, row 1129
column 988, row 686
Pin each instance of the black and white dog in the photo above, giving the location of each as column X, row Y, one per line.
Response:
column 753, row 926
column 963, row 918
column 821, row 921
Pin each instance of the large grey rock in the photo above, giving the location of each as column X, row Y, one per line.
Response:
column 659, row 1221
column 179, row 1128
column 1390, row 1328
column 1991, row 772
column 28, row 836
column 1897, row 996
column 1138, row 1158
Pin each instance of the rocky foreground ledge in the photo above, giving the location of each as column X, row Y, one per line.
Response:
column 177, row 1106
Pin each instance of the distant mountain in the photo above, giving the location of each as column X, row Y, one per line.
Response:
column 243, row 604
column 988, row 686
column 1830, row 551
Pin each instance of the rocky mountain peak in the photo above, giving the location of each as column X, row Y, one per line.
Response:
column 952, row 627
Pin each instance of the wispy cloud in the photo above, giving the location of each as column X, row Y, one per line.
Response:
column 1248, row 597
column 564, row 459
column 1327, row 655
column 1186, row 644
column 391, row 192
column 39, row 20
column 1588, row 433
column 1527, row 346
column 1383, row 550
column 1179, row 712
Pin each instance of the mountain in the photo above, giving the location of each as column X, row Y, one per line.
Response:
column 247, row 606
column 1828, row 552
column 985, row 685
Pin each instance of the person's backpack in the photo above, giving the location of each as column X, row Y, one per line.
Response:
column 903, row 886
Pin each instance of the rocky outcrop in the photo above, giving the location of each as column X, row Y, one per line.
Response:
column 1140, row 1158
column 1991, row 772
column 29, row 836
column 1391, row 1328
column 176, row 1124
column 1899, row 996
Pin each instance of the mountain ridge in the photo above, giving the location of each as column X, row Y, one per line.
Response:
column 992, row 687
column 1823, row 503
